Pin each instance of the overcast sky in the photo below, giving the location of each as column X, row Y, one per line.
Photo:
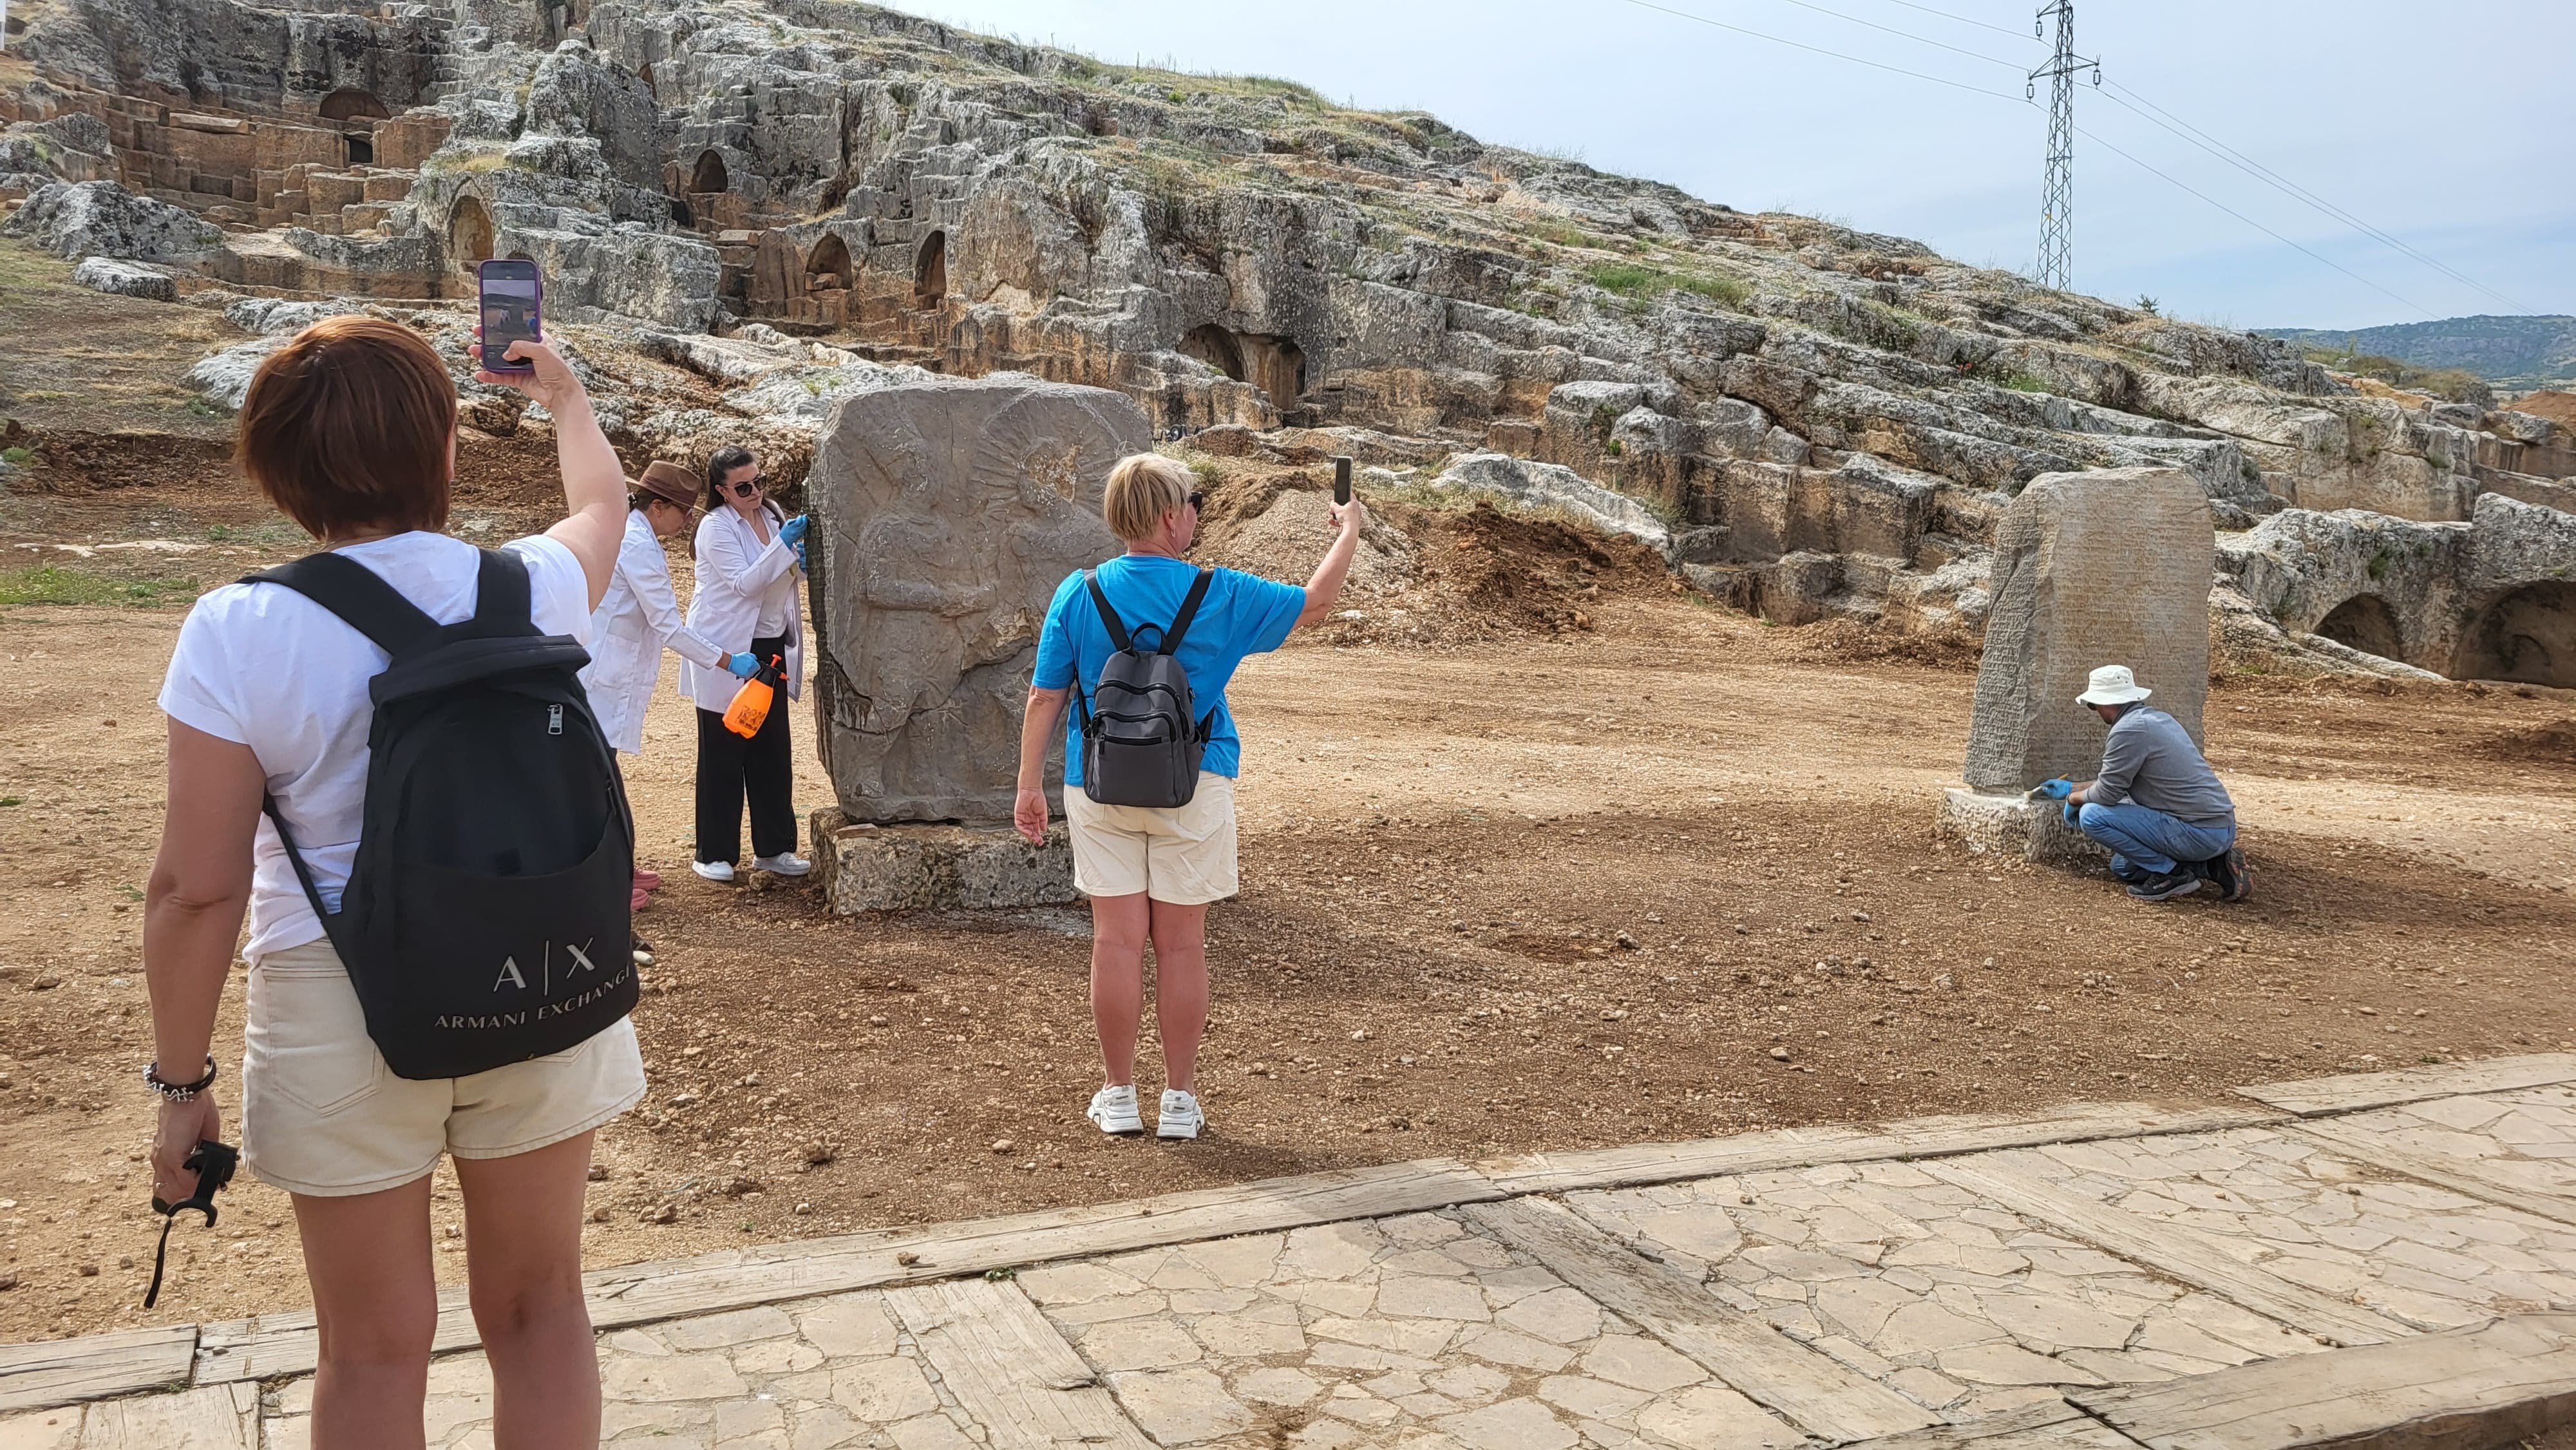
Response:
column 2449, row 127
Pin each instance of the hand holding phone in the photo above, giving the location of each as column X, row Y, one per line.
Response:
column 509, row 293
column 1341, row 478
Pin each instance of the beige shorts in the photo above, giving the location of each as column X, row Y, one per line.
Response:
column 322, row 1114
column 1184, row 855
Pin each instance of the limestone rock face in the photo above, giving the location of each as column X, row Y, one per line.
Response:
column 946, row 514
column 1552, row 485
column 103, row 219
column 2110, row 567
column 125, row 280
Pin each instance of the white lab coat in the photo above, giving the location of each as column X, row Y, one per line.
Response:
column 734, row 570
column 636, row 617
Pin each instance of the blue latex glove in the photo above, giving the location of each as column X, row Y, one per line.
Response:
column 743, row 666
column 793, row 531
column 799, row 546
column 2057, row 790
column 2074, row 815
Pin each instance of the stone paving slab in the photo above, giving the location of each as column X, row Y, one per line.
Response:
column 1546, row 1323
column 2427, row 1257
column 1965, row 1308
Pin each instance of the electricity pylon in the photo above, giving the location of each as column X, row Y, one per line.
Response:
column 2057, row 194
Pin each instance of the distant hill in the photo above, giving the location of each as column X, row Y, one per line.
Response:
column 2523, row 352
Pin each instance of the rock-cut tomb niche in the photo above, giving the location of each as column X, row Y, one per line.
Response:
column 930, row 272
column 469, row 234
column 1275, row 365
column 829, row 266
column 2527, row 635
column 356, row 111
column 2365, row 623
column 709, row 178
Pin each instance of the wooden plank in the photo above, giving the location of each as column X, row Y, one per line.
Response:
column 2464, row 1176
column 2460, row 1390
column 219, row 1417
column 2051, row 1425
column 2015, row 1181
column 1818, row 1395
column 1010, row 1369
column 2310, row 1097
column 647, row 1293
column 64, row 1371
column 1933, row 1137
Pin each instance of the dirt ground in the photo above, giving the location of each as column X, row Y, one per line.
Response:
column 1548, row 893
column 1538, row 854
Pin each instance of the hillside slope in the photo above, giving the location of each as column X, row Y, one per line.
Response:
column 2520, row 352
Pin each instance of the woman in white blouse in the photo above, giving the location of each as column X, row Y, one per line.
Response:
column 750, row 556
column 640, row 616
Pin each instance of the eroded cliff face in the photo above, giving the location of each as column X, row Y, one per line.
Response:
column 1823, row 421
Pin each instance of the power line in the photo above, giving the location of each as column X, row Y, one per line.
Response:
column 1907, row 34
column 1820, row 50
column 1962, row 19
column 2278, row 182
column 2249, row 221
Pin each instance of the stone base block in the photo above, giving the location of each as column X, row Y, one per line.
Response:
column 913, row 867
column 2013, row 825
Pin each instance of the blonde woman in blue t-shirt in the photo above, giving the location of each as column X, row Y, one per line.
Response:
column 1150, row 873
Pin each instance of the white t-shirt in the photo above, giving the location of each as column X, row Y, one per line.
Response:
column 263, row 666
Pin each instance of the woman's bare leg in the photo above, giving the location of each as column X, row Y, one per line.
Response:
column 1180, row 987
column 523, row 1270
column 1118, row 927
column 377, row 1305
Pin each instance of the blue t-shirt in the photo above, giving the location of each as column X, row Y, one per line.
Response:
column 1243, row 614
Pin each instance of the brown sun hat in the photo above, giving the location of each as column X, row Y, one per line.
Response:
column 670, row 483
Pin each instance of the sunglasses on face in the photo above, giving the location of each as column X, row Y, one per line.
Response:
column 1198, row 501
column 748, row 486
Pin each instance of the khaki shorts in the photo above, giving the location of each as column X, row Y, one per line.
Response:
column 1184, row 855
column 322, row 1114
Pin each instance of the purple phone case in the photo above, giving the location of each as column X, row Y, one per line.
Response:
column 536, row 315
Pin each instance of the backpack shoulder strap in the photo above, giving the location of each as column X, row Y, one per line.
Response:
column 1100, row 600
column 1189, row 610
column 503, row 598
column 360, row 598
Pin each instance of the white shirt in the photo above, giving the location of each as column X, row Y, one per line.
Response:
column 263, row 666
column 636, row 617
column 741, row 581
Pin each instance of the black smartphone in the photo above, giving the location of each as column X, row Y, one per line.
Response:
column 1341, row 478
column 511, row 294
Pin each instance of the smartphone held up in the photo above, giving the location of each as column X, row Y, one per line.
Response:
column 1341, row 478
column 510, row 293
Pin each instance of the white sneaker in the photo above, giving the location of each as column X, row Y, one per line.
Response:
column 1114, row 1109
column 713, row 870
column 1180, row 1116
column 785, row 863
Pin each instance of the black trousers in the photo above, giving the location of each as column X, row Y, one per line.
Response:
column 730, row 767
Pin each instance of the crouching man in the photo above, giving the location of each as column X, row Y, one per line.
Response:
column 2157, row 805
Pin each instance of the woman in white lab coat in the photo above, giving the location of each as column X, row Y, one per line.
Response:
column 750, row 559
column 640, row 615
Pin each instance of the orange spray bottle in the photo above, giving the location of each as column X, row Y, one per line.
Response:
column 751, row 703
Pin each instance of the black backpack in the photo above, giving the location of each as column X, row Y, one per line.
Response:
column 1141, row 745
column 486, row 919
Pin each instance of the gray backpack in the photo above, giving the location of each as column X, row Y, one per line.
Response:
column 1141, row 734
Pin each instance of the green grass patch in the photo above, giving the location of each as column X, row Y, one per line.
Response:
column 1638, row 283
column 53, row 584
column 17, row 457
column 2021, row 382
column 12, row 800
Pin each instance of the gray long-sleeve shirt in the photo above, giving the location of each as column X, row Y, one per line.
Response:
column 2149, row 759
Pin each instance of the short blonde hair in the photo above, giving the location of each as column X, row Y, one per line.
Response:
column 1142, row 488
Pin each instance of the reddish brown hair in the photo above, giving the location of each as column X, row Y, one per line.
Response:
column 348, row 426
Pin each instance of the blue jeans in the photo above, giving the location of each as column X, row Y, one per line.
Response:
column 2148, row 842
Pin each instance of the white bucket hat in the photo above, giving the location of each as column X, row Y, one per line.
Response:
column 2113, row 685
